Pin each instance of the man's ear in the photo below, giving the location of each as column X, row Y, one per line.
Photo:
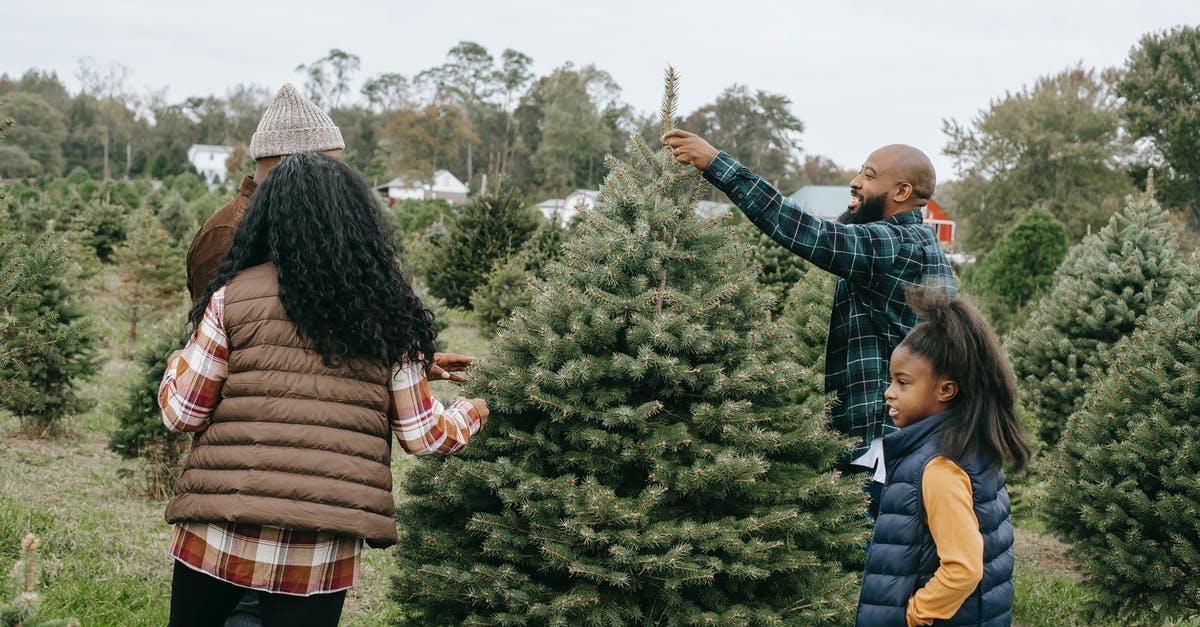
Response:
column 947, row 391
column 903, row 192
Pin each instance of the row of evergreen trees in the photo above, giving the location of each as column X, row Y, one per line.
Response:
column 561, row 514
column 1104, row 348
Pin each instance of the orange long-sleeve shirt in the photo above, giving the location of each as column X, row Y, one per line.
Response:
column 950, row 515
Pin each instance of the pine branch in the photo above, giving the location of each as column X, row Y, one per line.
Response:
column 669, row 101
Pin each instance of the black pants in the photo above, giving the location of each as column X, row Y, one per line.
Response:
column 200, row 600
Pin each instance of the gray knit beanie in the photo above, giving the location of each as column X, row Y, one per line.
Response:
column 293, row 124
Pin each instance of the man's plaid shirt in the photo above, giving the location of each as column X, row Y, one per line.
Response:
column 876, row 262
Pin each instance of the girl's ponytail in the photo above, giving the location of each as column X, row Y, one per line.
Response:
column 960, row 345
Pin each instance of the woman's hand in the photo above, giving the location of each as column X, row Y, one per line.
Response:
column 446, row 365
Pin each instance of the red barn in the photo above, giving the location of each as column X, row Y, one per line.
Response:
column 935, row 217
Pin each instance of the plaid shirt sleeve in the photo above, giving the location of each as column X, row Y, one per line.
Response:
column 422, row 424
column 855, row 252
column 191, row 385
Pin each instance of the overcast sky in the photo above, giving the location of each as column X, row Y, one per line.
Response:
column 859, row 74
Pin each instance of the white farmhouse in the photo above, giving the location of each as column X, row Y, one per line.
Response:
column 566, row 208
column 209, row 161
column 445, row 186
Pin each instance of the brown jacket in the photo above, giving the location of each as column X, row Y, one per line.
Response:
column 293, row 443
column 215, row 238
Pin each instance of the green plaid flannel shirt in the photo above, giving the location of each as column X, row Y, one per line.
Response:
column 875, row 261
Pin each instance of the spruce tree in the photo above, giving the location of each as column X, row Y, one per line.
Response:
column 103, row 226
column 654, row 455
column 806, row 315
column 176, row 219
column 46, row 342
column 422, row 251
column 491, row 228
column 779, row 268
column 140, row 433
column 152, row 277
column 1020, row 268
column 507, row 287
column 1123, row 486
column 1106, row 283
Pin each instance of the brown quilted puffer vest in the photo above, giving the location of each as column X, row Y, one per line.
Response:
column 292, row 443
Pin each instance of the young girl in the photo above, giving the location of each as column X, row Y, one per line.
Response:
column 943, row 543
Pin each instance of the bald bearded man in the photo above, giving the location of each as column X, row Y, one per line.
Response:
column 878, row 248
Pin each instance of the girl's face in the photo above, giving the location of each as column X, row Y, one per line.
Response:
column 916, row 393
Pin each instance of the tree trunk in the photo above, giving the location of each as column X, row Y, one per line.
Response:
column 470, row 165
column 504, row 147
column 133, row 320
column 107, row 174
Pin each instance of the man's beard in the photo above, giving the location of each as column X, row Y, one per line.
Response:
column 871, row 210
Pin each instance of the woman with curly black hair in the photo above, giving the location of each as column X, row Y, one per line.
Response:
column 309, row 350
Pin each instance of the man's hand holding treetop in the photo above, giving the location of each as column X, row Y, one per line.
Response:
column 689, row 148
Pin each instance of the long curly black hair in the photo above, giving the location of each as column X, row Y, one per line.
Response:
column 321, row 225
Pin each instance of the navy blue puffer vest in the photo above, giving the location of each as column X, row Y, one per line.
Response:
column 903, row 556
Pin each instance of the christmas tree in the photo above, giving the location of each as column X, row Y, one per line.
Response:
column 486, row 231
column 152, row 277
column 1106, row 283
column 780, row 268
column 1123, row 486
column 46, row 342
column 1020, row 268
column 806, row 315
column 654, row 454
column 507, row 286
column 140, row 432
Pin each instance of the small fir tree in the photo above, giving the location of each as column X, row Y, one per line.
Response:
column 103, row 227
column 1106, row 283
column 46, row 342
column 176, row 220
column 491, row 228
column 152, row 277
column 140, row 433
column 22, row 609
column 806, row 315
column 1020, row 268
column 654, row 457
column 1123, row 486
column 508, row 286
column 779, row 268
column 422, row 249
column 506, row 289
column 33, row 338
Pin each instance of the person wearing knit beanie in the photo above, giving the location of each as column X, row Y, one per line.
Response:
column 293, row 124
